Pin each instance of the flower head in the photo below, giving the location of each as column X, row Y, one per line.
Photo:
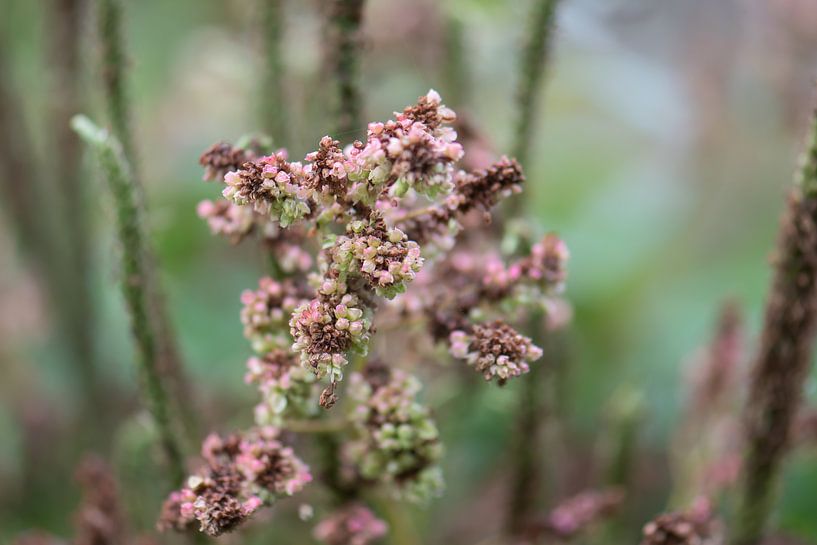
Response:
column 221, row 158
column 383, row 256
column 267, row 310
column 242, row 473
column 495, row 349
column 272, row 186
column 400, row 444
column 284, row 385
column 326, row 329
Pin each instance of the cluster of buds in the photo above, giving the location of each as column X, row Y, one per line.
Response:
column 221, row 158
column 329, row 183
column 227, row 219
column 272, row 185
column 417, row 150
column 383, row 256
column 267, row 310
column 399, row 442
column 283, row 383
column 328, row 327
column 289, row 248
column 437, row 225
column 353, row 524
column 242, row 473
column 495, row 349
column 374, row 189
column 530, row 279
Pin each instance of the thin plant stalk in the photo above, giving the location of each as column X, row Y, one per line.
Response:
column 782, row 362
column 28, row 199
column 114, row 61
column 273, row 110
column 532, row 411
column 134, row 282
column 64, row 46
column 18, row 177
column 117, row 101
column 526, row 448
column 455, row 63
column 343, row 48
column 533, row 62
column 343, row 52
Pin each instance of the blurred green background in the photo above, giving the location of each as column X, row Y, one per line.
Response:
column 667, row 136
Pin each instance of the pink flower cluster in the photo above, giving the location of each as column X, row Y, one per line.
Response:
column 383, row 256
column 272, row 186
column 353, row 524
column 221, row 158
column 529, row 279
column 399, row 443
column 227, row 219
column 267, row 310
column 416, row 150
column 495, row 349
column 242, row 473
column 437, row 225
column 283, row 384
column 327, row 328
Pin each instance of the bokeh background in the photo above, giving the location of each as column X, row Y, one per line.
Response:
column 667, row 136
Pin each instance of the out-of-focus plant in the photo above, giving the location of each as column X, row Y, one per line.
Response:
column 784, row 355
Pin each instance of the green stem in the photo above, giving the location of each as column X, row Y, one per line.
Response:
column 531, row 417
column 65, row 16
column 345, row 17
column 134, row 281
column 455, row 64
column 782, row 362
column 534, row 59
column 114, row 63
column 273, row 108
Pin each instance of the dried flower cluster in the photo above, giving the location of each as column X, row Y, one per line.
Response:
column 696, row 526
column 241, row 473
column 495, row 349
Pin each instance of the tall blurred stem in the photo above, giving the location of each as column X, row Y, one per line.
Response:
column 532, row 64
column 533, row 410
column 782, row 362
column 65, row 18
column 134, row 282
column 35, row 203
column 531, row 414
column 455, row 63
column 114, row 62
column 272, row 91
column 343, row 48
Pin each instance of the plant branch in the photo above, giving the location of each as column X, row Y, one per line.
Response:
column 272, row 91
column 114, row 62
column 782, row 362
column 533, row 62
column 134, row 281
column 344, row 45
